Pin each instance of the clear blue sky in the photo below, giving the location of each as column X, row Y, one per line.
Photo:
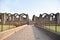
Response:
column 30, row 6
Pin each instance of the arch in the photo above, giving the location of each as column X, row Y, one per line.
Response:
column 16, row 17
column 24, row 19
column 52, row 16
column 44, row 15
column 24, row 15
column 9, row 17
column 40, row 15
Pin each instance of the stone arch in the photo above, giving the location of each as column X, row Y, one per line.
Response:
column 16, row 17
column 52, row 19
column 8, row 17
column 45, row 19
column 44, row 15
column 23, row 16
column 40, row 16
column 52, row 16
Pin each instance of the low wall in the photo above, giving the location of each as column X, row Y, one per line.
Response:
column 52, row 34
column 9, row 32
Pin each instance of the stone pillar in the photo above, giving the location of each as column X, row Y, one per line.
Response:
column 1, row 18
column 4, row 18
column 12, row 17
column 27, row 17
column 20, row 18
column 58, row 18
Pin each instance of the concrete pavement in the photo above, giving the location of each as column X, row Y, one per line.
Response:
column 24, row 34
column 29, row 33
column 39, row 34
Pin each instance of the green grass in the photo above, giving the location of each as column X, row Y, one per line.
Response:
column 6, row 27
column 53, row 28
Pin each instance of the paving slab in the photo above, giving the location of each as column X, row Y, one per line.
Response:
column 29, row 33
column 24, row 34
column 39, row 34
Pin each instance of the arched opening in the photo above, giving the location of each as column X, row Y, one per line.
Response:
column 9, row 17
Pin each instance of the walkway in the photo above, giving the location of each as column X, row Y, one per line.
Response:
column 29, row 33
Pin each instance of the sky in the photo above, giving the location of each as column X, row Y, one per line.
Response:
column 30, row 7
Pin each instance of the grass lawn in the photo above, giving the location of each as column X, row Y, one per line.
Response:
column 6, row 27
column 53, row 28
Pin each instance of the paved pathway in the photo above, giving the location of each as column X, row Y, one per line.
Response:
column 29, row 33
column 39, row 35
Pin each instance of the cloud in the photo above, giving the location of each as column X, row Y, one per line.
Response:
column 4, row 6
column 30, row 6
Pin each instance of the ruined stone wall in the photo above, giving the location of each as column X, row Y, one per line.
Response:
column 46, row 20
column 8, row 18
